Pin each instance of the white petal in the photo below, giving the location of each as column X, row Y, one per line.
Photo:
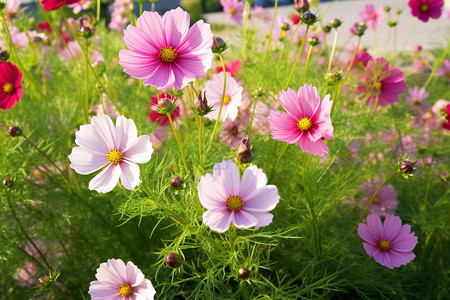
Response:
column 128, row 130
column 85, row 162
column 106, row 180
column 139, row 151
column 129, row 175
column 104, row 127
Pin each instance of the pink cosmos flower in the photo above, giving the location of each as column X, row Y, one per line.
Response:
column 10, row 85
column 416, row 99
column 116, row 147
column 233, row 8
column 260, row 12
column 390, row 244
column 444, row 70
column 119, row 10
column 233, row 67
column 55, row 4
column 446, row 123
column 78, row 7
column 361, row 60
column 162, row 119
column 229, row 199
column 117, row 281
column 385, row 203
column 306, row 120
column 381, row 84
column 13, row 6
column 371, row 16
column 232, row 100
column 165, row 51
column 425, row 9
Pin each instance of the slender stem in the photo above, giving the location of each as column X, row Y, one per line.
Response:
column 175, row 132
column 332, row 50
column 245, row 16
column 221, row 104
column 99, row 4
column 141, row 9
column 306, row 64
column 289, row 47
column 185, row 263
column 270, row 34
column 56, row 290
column 387, row 40
column 395, row 34
column 278, row 160
column 367, row 207
column 153, row 5
column 298, row 57
column 86, row 102
column 435, row 68
column 408, row 34
column 200, row 124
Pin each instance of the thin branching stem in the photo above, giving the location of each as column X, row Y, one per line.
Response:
column 180, row 146
column 296, row 60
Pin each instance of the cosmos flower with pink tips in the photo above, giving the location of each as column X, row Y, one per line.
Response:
column 233, row 8
column 371, row 16
column 416, row 99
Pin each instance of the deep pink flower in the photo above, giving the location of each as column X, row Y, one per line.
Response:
column 116, row 147
column 381, row 84
column 229, row 199
column 55, row 4
column 361, row 60
column 446, row 123
column 11, row 85
column 444, row 70
column 162, row 119
column 306, row 120
column 371, row 16
column 425, row 9
column 233, row 67
column 416, row 99
column 117, row 281
column 385, row 203
column 390, row 244
column 165, row 51
column 233, row 8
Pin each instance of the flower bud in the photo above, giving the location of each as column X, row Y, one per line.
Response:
column 176, row 182
column 391, row 23
column 326, row 28
column 295, row 19
column 407, row 166
column 86, row 29
column 43, row 281
column 309, row 18
column 4, row 55
column 14, row 131
column 398, row 11
column 166, row 104
column 172, row 260
column 100, row 66
column 244, row 154
column 285, row 26
column 243, row 273
column 2, row 5
column 335, row 23
column 387, row 9
column 301, row 6
column 313, row 41
column 334, row 77
column 7, row 182
column 219, row 45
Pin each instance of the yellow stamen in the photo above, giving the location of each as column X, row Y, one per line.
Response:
column 376, row 200
column 233, row 10
column 8, row 88
column 378, row 86
column 168, row 54
column 226, row 99
column 304, row 123
column 115, row 156
column 235, row 203
column 385, row 244
column 125, row 290
column 424, row 7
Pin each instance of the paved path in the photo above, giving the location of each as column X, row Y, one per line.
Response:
column 434, row 33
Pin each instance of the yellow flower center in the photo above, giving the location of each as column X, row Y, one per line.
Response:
column 448, row 74
column 378, row 86
column 226, row 99
column 385, row 244
column 232, row 10
column 304, row 123
column 424, row 7
column 235, row 203
column 125, row 290
column 373, row 16
column 376, row 200
column 115, row 156
column 168, row 54
column 8, row 88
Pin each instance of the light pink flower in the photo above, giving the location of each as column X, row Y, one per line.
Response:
column 381, row 84
column 13, row 6
column 165, row 51
column 229, row 199
column 232, row 100
column 233, row 8
column 371, row 16
column 79, row 6
column 260, row 12
column 116, row 147
column 385, row 203
column 416, row 99
column 306, row 120
column 119, row 14
column 117, row 281
column 444, row 70
column 390, row 244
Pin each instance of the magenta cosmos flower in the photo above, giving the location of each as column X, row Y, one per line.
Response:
column 233, row 8
column 162, row 119
column 165, row 52
column 117, row 281
column 371, row 16
column 11, row 85
column 232, row 99
column 385, row 203
column 55, row 4
column 425, row 9
column 390, row 244
column 306, row 120
column 116, row 147
column 381, row 84
column 229, row 199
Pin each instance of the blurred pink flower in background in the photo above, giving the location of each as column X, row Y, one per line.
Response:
column 233, row 8
column 260, row 12
column 228, row 198
column 425, row 9
column 385, row 203
column 444, row 70
column 416, row 99
column 233, row 67
column 13, row 6
column 79, row 6
column 119, row 14
column 371, row 16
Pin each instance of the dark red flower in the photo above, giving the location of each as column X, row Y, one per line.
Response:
column 425, row 9
column 155, row 105
column 446, row 124
column 295, row 19
column 44, row 26
column 55, row 4
column 10, row 83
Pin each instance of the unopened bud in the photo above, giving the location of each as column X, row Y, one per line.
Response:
column 285, row 26
column 86, row 29
column 243, row 273
column 361, row 29
column 301, row 6
column 407, row 166
column 176, row 182
column 244, row 152
column 14, row 131
column 387, row 9
column 313, row 41
column 398, row 11
column 4, row 55
column 335, row 23
column 7, row 182
column 392, row 23
column 309, row 18
column 172, row 260
column 326, row 28
column 202, row 103
column 43, row 281
column 219, row 45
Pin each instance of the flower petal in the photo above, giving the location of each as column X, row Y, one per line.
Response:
column 83, row 161
column 227, row 174
column 243, row 219
column 262, row 199
column 129, row 175
column 252, row 179
column 106, row 180
column 375, row 227
column 211, row 193
column 139, row 150
column 217, row 219
column 391, row 227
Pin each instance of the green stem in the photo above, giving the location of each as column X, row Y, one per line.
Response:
column 436, row 68
column 289, row 47
column 387, row 40
column 141, row 9
column 200, row 125
column 408, row 34
column 221, row 104
column 185, row 263
column 99, row 4
column 153, row 6
column 245, row 16
column 306, row 64
column 86, row 102
column 278, row 160
column 296, row 60
column 332, row 50
column 270, row 34
column 175, row 132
